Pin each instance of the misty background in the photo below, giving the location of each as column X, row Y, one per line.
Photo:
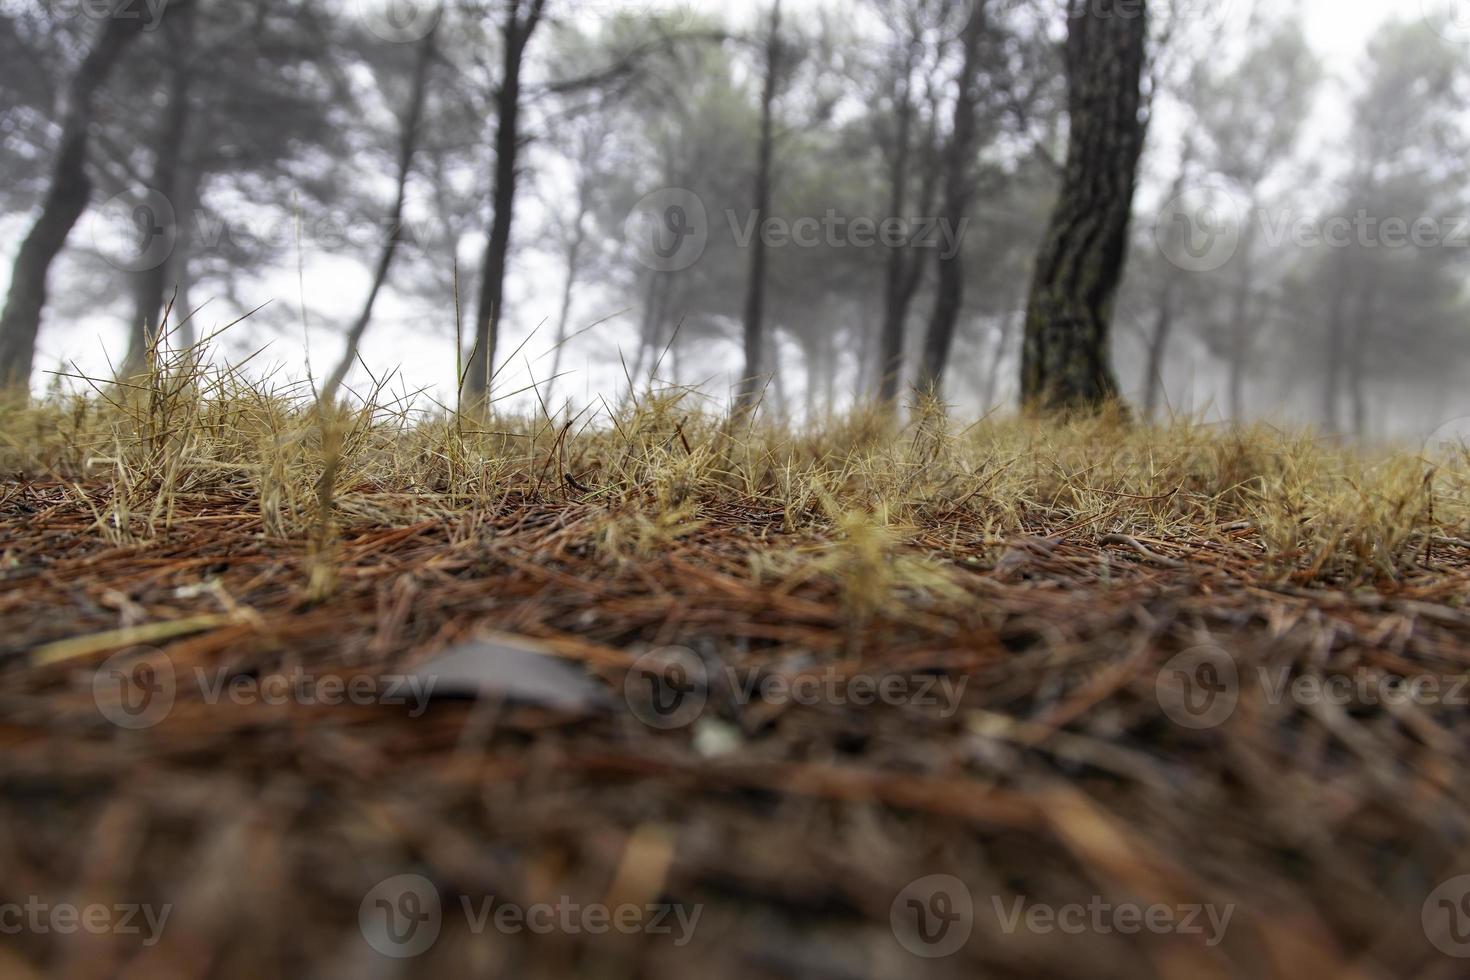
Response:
column 1300, row 234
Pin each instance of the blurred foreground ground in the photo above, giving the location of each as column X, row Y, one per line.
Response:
column 995, row 703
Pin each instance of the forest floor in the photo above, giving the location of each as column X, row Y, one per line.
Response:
column 855, row 701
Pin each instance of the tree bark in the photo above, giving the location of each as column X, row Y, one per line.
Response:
column 1158, row 341
column 896, row 294
column 1066, row 361
column 150, row 285
column 1010, row 325
column 1332, row 379
column 408, row 142
column 65, row 201
column 574, row 267
column 1358, row 365
column 755, row 295
column 182, row 260
column 521, row 20
column 959, row 190
column 1241, row 333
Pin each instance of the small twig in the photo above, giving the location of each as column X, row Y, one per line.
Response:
column 1138, row 546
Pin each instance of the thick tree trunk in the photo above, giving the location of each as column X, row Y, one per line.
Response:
column 959, row 189
column 65, row 201
column 521, row 20
column 408, row 142
column 150, row 285
column 755, row 294
column 1066, row 361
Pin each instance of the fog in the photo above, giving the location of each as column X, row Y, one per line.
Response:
column 662, row 186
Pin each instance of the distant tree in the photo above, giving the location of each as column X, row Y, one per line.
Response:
column 1248, row 113
column 67, row 196
column 1392, row 277
column 519, row 21
column 959, row 189
column 908, row 146
column 166, row 180
column 410, row 123
column 754, row 327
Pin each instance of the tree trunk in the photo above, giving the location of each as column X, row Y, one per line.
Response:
column 1332, row 379
column 1010, row 324
column 573, row 265
column 521, row 20
column 1066, row 361
column 1158, row 342
column 150, row 284
column 1242, row 335
column 959, row 189
column 655, row 314
column 755, row 294
column 408, row 142
column 1358, row 365
column 65, row 201
column 896, row 296
column 183, row 257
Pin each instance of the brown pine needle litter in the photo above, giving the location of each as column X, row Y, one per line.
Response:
column 1090, row 666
